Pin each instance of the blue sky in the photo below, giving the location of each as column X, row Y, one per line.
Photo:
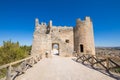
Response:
column 17, row 18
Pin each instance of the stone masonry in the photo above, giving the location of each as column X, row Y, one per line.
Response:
column 68, row 38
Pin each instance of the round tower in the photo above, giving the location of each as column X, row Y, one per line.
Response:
column 84, row 40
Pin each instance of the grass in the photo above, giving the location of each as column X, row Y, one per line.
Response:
column 117, row 70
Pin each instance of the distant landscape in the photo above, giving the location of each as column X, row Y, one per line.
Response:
column 108, row 51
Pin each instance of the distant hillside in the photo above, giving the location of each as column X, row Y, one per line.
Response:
column 108, row 50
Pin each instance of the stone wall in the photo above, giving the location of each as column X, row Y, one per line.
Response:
column 41, row 40
column 68, row 38
column 64, row 37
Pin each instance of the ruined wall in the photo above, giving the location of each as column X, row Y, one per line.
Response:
column 79, row 39
column 64, row 37
column 46, row 35
column 41, row 40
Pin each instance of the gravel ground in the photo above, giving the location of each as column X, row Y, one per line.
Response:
column 61, row 68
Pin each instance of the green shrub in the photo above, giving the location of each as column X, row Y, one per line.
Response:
column 11, row 51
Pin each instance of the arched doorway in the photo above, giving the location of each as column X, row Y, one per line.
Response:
column 55, row 48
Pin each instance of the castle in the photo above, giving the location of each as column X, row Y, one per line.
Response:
column 63, row 40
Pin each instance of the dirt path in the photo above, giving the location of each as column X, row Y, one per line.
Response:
column 60, row 68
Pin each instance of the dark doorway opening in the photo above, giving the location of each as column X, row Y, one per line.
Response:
column 81, row 48
column 55, row 48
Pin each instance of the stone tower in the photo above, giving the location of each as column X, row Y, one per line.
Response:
column 83, row 36
column 41, row 38
column 67, row 38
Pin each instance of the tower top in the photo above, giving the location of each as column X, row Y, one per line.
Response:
column 36, row 22
column 50, row 23
column 87, row 18
column 78, row 20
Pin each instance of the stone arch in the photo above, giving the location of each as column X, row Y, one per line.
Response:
column 55, row 48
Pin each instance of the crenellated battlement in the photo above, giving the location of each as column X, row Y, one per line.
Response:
column 84, row 22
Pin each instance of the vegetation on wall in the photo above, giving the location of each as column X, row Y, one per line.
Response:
column 12, row 51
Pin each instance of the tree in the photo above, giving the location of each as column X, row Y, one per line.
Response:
column 11, row 51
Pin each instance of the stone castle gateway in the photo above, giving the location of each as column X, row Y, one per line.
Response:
column 63, row 40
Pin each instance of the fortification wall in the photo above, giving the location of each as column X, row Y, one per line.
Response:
column 64, row 37
column 69, row 39
column 41, row 40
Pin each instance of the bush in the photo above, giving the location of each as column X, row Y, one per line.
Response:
column 11, row 51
